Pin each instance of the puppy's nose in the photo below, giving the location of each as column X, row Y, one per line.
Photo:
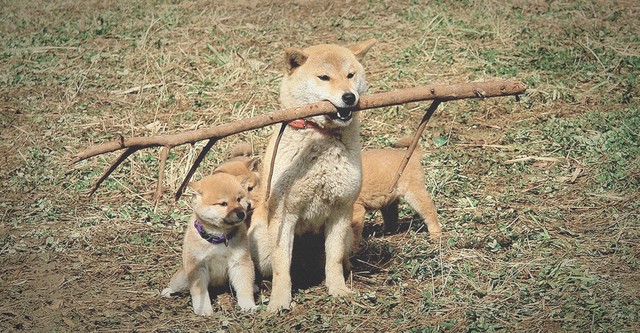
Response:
column 349, row 98
column 241, row 215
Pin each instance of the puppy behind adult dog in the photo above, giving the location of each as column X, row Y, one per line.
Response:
column 317, row 171
column 215, row 248
column 378, row 169
column 242, row 165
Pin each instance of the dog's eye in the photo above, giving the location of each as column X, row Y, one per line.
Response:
column 324, row 77
column 223, row 204
column 350, row 75
column 250, row 188
column 239, row 198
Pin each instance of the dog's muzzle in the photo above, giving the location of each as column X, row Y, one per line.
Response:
column 235, row 216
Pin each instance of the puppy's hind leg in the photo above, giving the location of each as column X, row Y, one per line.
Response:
column 421, row 201
column 390, row 216
column 179, row 283
column 357, row 224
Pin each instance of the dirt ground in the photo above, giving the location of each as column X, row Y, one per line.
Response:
column 538, row 198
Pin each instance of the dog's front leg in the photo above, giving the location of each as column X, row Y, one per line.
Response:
column 200, row 292
column 242, row 277
column 281, row 262
column 338, row 240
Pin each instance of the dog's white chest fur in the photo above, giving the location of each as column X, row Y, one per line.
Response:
column 215, row 257
column 316, row 174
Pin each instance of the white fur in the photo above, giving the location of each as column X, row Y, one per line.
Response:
column 317, row 173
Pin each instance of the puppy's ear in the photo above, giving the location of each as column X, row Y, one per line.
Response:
column 361, row 49
column 253, row 164
column 294, row 58
column 195, row 187
column 243, row 180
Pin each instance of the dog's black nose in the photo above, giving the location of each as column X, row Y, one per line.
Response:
column 349, row 98
column 241, row 215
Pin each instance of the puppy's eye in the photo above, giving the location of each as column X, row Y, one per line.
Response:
column 350, row 75
column 250, row 188
column 223, row 204
column 324, row 77
column 239, row 198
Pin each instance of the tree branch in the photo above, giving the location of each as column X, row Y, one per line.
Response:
column 214, row 133
column 441, row 92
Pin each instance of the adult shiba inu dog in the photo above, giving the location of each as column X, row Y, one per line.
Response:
column 317, row 170
column 378, row 169
column 215, row 249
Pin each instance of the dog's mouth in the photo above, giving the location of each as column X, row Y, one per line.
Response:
column 342, row 115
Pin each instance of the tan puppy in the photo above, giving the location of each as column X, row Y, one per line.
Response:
column 215, row 248
column 379, row 167
column 317, row 171
column 245, row 168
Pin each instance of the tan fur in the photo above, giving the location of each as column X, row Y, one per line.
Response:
column 378, row 170
column 317, row 172
column 246, row 169
column 220, row 205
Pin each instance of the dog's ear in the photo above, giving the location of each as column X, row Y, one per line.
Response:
column 361, row 49
column 294, row 58
column 243, row 180
column 253, row 164
column 195, row 187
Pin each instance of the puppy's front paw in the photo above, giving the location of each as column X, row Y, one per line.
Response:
column 166, row 292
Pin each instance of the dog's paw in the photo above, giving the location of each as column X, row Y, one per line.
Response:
column 204, row 311
column 280, row 303
column 166, row 292
column 248, row 306
column 339, row 291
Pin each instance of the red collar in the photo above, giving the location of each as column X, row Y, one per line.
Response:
column 304, row 124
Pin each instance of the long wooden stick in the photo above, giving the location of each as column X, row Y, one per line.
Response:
column 432, row 92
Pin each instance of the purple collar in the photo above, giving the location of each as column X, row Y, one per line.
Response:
column 213, row 239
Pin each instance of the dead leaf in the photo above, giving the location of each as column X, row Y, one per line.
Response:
column 69, row 322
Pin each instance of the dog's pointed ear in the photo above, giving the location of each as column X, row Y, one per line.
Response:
column 195, row 187
column 243, row 180
column 361, row 49
column 253, row 164
column 294, row 58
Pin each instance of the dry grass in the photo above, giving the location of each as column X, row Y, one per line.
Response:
column 548, row 243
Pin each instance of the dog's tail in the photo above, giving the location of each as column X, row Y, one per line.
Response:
column 403, row 142
column 241, row 149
